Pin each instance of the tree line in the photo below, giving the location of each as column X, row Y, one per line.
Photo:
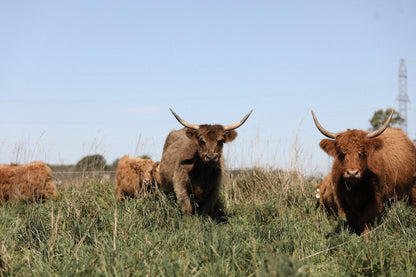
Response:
column 95, row 162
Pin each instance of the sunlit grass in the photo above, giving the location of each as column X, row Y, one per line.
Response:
column 273, row 228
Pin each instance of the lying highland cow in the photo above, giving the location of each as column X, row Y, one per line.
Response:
column 30, row 181
column 325, row 195
column 369, row 169
column 136, row 176
column 192, row 164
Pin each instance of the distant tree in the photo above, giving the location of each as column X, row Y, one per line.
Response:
column 381, row 116
column 115, row 163
column 91, row 163
column 145, row 157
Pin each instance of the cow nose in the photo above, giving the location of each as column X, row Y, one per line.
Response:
column 212, row 157
column 352, row 173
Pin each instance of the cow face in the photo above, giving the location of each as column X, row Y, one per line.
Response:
column 144, row 168
column 351, row 150
column 210, row 140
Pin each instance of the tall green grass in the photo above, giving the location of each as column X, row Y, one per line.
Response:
column 273, row 229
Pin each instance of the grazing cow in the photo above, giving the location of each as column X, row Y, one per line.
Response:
column 192, row 164
column 369, row 169
column 136, row 176
column 28, row 182
column 325, row 195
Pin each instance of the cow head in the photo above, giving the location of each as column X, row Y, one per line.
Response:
column 351, row 150
column 210, row 138
column 144, row 169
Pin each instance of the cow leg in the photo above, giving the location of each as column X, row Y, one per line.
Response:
column 368, row 214
column 210, row 203
column 183, row 198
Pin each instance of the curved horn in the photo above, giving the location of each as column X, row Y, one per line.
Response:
column 382, row 128
column 183, row 122
column 238, row 124
column 321, row 129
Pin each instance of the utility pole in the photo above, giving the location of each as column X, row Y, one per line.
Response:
column 402, row 97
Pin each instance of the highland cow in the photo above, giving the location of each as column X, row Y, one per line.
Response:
column 370, row 169
column 136, row 176
column 325, row 195
column 192, row 164
column 29, row 182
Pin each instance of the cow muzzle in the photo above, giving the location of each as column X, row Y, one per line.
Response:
column 352, row 174
column 212, row 158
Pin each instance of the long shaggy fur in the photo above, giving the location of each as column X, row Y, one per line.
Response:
column 136, row 176
column 30, row 181
column 386, row 165
column 325, row 195
column 185, row 168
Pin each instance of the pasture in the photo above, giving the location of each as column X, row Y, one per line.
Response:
column 273, row 229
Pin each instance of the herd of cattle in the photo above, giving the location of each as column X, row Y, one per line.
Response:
column 369, row 170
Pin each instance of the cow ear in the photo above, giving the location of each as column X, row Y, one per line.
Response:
column 156, row 166
column 374, row 163
column 230, row 135
column 191, row 133
column 374, row 144
column 328, row 146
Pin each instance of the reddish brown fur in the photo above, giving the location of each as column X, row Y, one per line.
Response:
column 325, row 194
column 368, row 171
column 192, row 164
column 30, row 181
column 136, row 176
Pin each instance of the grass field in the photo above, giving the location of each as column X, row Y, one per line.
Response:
column 273, row 229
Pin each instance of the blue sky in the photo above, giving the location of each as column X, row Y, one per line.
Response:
column 86, row 77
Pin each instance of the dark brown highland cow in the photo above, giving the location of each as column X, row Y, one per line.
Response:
column 369, row 169
column 192, row 164
column 136, row 176
column 30, row 181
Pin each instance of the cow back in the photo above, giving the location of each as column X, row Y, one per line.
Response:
column 177, row 150
column 398, row 156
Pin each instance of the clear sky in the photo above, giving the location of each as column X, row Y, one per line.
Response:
column 86, row 77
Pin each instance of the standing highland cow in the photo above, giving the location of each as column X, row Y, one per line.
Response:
column 369, row 169
column 30, row 181
column 136, row 176
column 192, row 164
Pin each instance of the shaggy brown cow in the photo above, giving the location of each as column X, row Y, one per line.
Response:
column 325, row 195
column 369, row 169
column 136, row 176
column 30, row 181
column 192, row 164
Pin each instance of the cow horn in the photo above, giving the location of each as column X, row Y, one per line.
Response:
column 321, row 129
column 238, row 124
column 382, row 128
column 183, row 122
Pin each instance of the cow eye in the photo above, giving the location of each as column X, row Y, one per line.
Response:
column 220, row 143
column 341, row 156
column 361, row 155
column 201, row 142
